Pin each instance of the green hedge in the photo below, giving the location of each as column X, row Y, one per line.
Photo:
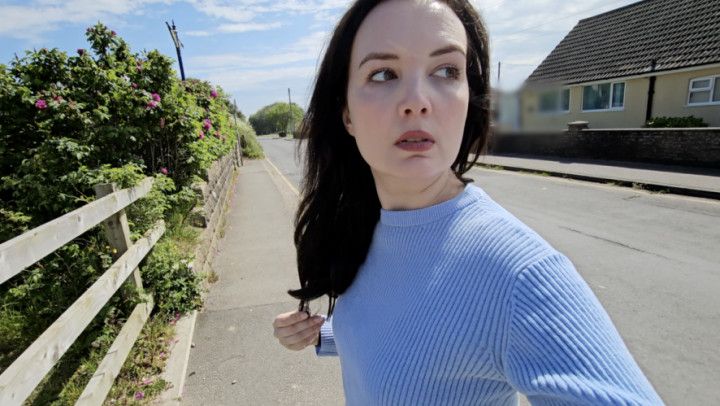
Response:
column 675, row 122
column 105, row 114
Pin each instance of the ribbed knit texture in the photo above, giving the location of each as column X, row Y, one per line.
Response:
column 462, row 304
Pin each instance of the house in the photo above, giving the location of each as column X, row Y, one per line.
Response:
column 618, row 69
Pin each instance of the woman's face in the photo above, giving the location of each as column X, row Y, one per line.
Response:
column 407, row 74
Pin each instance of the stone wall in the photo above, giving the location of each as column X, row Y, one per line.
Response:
column 208, row 214
column 675, row 146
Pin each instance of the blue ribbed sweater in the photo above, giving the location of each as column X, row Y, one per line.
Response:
column 462, row 304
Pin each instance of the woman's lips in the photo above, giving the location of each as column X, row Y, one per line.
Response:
column 415, row 141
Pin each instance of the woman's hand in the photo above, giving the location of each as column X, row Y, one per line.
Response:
column 296, row 330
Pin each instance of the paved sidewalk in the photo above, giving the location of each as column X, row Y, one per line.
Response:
column 236, row 360
column 681, row 180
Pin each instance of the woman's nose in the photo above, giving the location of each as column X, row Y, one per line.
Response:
column 415, row 98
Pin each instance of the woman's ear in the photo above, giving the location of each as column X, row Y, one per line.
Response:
column 347, row 122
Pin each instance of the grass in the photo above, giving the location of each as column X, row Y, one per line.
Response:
column 139, row 381
column 252, row 149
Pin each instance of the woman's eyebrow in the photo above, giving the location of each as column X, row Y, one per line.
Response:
column 386, row 56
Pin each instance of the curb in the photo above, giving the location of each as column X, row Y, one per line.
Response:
column 176, row 366
column 654, row 187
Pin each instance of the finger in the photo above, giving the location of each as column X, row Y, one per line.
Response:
column 303, row 336
column 283, row 332
column 289, row 318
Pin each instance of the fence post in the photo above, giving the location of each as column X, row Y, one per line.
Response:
column 117, row 231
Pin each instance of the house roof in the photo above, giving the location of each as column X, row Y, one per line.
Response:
column 623, row 42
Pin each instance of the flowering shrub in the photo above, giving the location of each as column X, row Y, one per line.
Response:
column 104, row 114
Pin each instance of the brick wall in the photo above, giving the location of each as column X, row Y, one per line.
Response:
column 676, row 146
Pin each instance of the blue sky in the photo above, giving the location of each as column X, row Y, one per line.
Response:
column 257, row 49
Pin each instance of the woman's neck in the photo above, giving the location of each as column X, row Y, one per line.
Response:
column 401, row 194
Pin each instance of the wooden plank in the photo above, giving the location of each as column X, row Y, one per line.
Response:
column 34, row 245
column 19, row 379
column 101, row 382
column 117, row 231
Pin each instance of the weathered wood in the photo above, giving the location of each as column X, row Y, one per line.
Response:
column 117, row 231
column 34, row 245
column 101, row 382
column 22, row 376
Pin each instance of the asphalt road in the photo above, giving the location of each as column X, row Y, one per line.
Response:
column 653, row 260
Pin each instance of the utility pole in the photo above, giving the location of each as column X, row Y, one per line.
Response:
column 178, row 45
column 289, row 113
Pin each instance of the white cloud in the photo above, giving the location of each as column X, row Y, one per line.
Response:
column 307, row 48
column 246, row 27
column 31, row 21
column 233, row 80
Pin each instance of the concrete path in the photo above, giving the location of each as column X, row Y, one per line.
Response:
column 703, row 182
column 235, row 359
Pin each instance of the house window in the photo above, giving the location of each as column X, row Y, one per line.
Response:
column 704, row 91
column 604, row 96
column 555, row 101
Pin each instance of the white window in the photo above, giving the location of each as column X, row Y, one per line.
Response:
column 704, row 91
column 604, row 96
column 555, row 101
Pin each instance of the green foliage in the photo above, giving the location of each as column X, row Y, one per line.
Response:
column 676, row 122
column 250, row 146
column 105, row 115
column 277, row 117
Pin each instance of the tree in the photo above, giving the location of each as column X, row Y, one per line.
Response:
column 277, row 117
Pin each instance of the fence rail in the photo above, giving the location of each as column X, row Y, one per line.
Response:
column 34, row 245
column 19, row 380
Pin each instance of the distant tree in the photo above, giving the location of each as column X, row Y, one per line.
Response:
column 277, row 117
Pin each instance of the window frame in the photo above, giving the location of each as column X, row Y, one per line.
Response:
column 610, row 99
column 710, row 88
column 558, row 108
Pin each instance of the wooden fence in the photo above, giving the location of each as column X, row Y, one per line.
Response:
column 19, row 380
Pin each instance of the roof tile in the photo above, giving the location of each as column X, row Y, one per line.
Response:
column 624, row 42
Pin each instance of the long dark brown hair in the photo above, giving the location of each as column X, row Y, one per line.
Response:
column 339, row 208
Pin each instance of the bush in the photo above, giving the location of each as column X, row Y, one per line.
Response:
column 676, row 122
column 277, row 117
column 250, row 146
column 103, row 115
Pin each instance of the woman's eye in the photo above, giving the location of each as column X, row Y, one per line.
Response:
column 449, row 72
column 382, row 75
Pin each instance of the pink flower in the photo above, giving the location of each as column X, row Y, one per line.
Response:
column 147, row 381
column 155, row 97
column 163, row 170
column 57, row 98
column 133, row 85
column 201, row 135
column 113, row 33
column 40, row 104
column 139, row 395
column 151, row 105
column 207, row 124
column 80, row 51
column 213, row 93
column 162, row 354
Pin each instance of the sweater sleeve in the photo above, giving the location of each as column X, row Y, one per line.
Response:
column 326, row 347
column 562, row 348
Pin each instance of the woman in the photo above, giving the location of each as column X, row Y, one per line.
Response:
column 443, row 297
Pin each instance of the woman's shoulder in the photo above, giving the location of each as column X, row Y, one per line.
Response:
column 500, row 237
